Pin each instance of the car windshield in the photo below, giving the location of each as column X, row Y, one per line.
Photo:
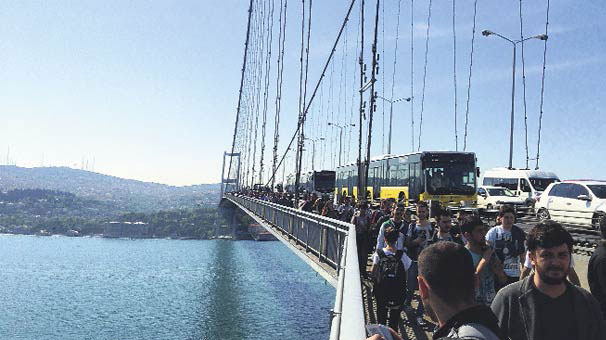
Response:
column 540, row 184
column 451, row 179
column 598, row 190
column 500, row 192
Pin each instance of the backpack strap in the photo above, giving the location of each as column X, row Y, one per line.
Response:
column 399, row 254
column 381, row 253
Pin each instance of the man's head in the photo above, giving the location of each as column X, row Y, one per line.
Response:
column 386, row 205
column 446, row 275
column 397, row 213
column 391, row 235
column 550, row 247
column 474, row 231
column 443, row 220
column 507, row 215
column 422, row 211
column 362, row 205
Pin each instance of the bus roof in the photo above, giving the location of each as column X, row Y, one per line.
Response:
column 391, row 156
column 515, row 173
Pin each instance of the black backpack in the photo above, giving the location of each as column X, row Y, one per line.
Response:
column 391, row 277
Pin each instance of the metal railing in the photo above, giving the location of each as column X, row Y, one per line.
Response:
column 333, row 244
column 322, row 236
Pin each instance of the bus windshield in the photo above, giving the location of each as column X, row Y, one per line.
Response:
column 450, row 179
column 540, row 184
column 324, row 181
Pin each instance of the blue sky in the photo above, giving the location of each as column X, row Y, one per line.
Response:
column 148, row 89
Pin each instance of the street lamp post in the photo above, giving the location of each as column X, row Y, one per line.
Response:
column 391, row 102
column 513, row 82
column 313, row 150
column 341, row 127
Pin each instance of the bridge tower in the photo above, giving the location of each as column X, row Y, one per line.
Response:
column 231, row 182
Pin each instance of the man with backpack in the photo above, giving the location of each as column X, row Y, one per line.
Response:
column 389, row 266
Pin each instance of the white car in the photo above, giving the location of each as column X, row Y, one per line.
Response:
column 579, row 202
column 490, row 197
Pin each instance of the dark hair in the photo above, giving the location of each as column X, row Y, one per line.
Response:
column 469, row 224
column 449, row 271
column 603, row 226
column 506, row 208
column 422, row 204
column 399, row 206
column 548, row 234
column 362, row 205
column 443, row 212
column 391, row 235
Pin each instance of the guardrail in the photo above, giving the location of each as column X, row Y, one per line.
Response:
column 320, row 235
column 333, row 244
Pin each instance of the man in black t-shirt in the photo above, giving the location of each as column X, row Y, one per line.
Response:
column 545, row 305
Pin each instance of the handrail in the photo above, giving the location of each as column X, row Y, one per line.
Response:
column 318, row 231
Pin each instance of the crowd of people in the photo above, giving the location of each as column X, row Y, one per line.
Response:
column 475, row 282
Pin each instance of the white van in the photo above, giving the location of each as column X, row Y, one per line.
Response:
column 523, row 183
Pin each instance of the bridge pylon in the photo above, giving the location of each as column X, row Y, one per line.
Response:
column 231, row 182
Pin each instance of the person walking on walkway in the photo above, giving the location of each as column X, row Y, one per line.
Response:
column 507, row 240
column 417, row 238
column 361, row 221
column 545, row 305
column 389, row 266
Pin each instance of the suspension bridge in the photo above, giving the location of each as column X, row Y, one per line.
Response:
column 345, row 93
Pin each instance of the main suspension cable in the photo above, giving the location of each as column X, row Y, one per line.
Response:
column 454, row 67
column 279, row 77
column 318, row 83
column 266, row 87
column 239, row 106
column 424, row 75
column 524, row 84
column 542, row 88
column 473, row 38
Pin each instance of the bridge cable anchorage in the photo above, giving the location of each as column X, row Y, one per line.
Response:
column 524, row 83
column 373, row 98
column 454, row 67
column 317, row 84
column 238, row 108
column 473, row 37
column 412, row 74
column 424, row 74
column 542, row 88
column 279, row 77
column 270, row 29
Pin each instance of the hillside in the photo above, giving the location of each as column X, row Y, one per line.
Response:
column 120, row 194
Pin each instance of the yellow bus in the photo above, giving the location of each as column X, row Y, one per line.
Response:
column 447, row 176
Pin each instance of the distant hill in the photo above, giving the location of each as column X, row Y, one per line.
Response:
column 122, row 194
